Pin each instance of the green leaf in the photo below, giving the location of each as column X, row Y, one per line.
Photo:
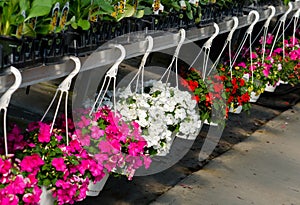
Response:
column 58, row 151
column 46, row 167
column 106, row 6
column 46, row 182
column 24, row 5
column 28, row 31
column 148, row 11
column 188, row 6
column 84, row 24
column 19, row 19
column 189, row 15
column 176, row 6
column 129, row 11
column 39, row 8
column 139, row 13
column 286, row 2
column 53, row 181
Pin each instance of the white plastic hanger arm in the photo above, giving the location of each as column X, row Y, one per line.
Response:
column 142, row 65
column 256, row 15
column 266, row 27
column 64, row 87
column 234, row 27
column 272, row 14
column 5, row 99
column 206, row 48
column 182, row 35
column 111, row 74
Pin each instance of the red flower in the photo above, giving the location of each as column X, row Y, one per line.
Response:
column 240, row 100
column 184, row 83
column 196, row 97
column 233, row 81
column 245, row 97
column 207, row 100
column 242, row 82
column 230, row 99
column 193, row 85
column 227, row 111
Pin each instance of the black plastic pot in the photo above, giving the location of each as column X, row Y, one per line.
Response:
column 52, row 47
column 207, row 12
column 11, row 51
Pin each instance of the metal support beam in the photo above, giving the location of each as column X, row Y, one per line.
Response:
column 135, row 45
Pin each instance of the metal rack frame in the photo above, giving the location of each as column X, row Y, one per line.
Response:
column 162, row 40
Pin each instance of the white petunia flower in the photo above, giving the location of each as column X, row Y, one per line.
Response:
column 162, row 107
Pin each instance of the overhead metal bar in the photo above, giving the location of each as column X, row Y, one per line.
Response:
column 135, row 45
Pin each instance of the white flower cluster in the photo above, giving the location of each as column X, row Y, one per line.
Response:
column 163, row 113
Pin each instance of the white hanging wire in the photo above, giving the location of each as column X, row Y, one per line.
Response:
column 182, row 34
column 64, row 87
column 247, row 34
column 251, row 59
column 296, row 19
column 111, row 74
column 282, row 21
column 5, row 99
column 266, row 28
column 206, row 49
column 253, row 41
column 140, row 72
column 293, row 19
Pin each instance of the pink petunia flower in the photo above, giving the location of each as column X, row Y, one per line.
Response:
column 294, row 55
column 253, row 55
column 266, row 72
column 44, row 134
column 59, row 164
column 96, row 132
column 252, row 68
column 5, row 166
column 136, row 148
column 31, row 163
column 242, row 64
column 278, row 50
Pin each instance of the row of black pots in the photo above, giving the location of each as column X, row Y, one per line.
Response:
column 27, row 52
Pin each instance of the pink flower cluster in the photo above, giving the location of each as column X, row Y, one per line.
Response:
column 73, row 185
column 116, row 145
column 18, row 185
column 69, row 168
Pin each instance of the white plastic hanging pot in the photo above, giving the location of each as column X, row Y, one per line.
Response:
column 270, row 88
column 283, row 82
column 237, row 110
column 95, row 189
column 46, row 197
column 254, row 97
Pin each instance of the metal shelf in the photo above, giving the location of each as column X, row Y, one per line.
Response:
column 135, row 45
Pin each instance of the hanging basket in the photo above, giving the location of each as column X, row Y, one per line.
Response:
column 237, row 110
column 254, row 97
column 283, row 82
column 270, row 88
column 94, row 189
